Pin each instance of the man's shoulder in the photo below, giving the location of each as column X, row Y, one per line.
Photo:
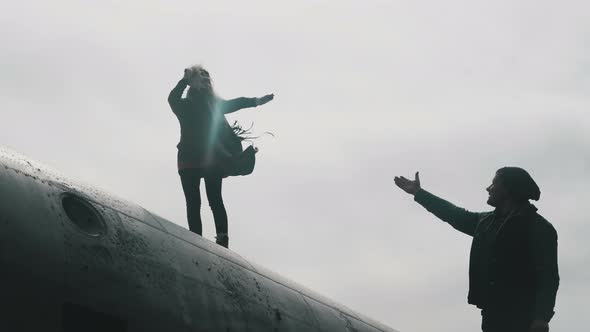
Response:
column 540, row 224
column 485, row 215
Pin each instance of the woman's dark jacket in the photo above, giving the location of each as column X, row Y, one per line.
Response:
column 207, row 140
column 513, row 260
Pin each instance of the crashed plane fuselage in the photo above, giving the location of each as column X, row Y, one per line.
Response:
column 74, row 258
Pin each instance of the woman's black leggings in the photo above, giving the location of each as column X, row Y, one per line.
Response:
column 191, row 180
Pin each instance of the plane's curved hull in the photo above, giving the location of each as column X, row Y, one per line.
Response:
column 121, row 268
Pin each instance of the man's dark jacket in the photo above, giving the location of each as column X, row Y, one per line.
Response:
column 515, row 268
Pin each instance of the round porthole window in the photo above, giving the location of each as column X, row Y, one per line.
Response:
column 83, row 215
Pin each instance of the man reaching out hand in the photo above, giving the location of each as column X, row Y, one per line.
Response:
column 513, row 274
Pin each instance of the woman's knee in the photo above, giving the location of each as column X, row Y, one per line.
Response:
column 216, row 202
column 213, row 188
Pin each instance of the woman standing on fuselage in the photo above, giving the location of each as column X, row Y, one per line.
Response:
column 209, row 148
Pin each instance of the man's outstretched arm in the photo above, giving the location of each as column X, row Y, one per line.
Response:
column 461, row 219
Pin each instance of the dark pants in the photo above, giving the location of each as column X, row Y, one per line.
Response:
column 191, row 181
column 494, row 321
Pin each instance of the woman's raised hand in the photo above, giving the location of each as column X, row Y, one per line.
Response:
column 409, row 186
column 188, row 74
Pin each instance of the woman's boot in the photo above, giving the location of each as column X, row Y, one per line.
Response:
column 222, row 239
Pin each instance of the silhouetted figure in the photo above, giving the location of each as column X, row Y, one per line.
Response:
column 513, row 274
column 209, row 147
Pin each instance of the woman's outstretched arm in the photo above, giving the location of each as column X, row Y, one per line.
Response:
column 236, row 104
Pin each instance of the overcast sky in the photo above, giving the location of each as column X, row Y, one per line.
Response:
column 365, row 90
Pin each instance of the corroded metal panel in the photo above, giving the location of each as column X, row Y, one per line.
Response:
column 323, row 306
column 200, row 243
column 37, row 171
column 31, row 253
column 332, row 319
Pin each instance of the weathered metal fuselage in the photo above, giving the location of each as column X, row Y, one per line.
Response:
column 73, row 258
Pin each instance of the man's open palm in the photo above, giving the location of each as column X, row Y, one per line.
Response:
column 409, row 186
